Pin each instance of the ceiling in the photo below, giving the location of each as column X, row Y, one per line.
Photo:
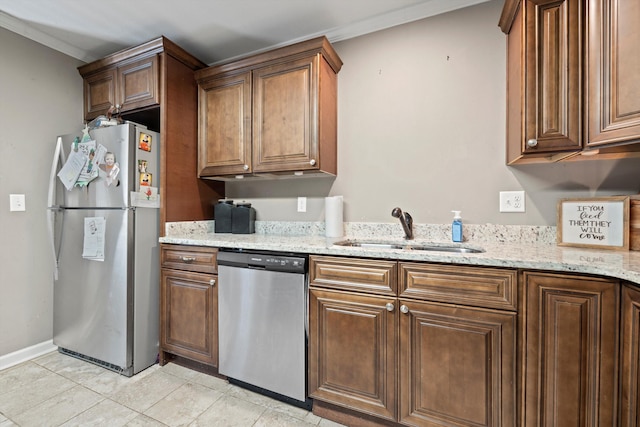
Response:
column 212, row 30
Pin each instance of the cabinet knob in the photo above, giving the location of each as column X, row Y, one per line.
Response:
column 245, row 167
column 312, row 162
column 212, row 282
column 389, row 307
column 404, row 309
column 532, row 143
column 188, row 259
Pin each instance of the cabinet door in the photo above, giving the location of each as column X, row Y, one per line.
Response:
column 630, row 358
column 138, row 84
column 352, row 351
column 457, row 367
column 570, row 349
column 553, row 83
column 189, row 315
column 224, row 130
column 285, row 121
column 613, row 73
column 99, row 93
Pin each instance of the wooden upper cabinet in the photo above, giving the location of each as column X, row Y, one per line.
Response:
column 613, row 74
column 570, row 348
column 544, row 60
column 154, row 85
column 272, row 113
column 553, row 91
column 129, row 85
column 99, row 93
column 138, row 83
column 573, row 80
column 224, row 142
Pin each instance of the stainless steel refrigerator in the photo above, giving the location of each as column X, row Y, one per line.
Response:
column 106, row 285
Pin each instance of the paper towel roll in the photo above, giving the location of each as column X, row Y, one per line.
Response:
column 333, row 216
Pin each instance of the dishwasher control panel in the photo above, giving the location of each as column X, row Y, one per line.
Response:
column 266, row 261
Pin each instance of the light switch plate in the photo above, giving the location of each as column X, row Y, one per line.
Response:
column 17, row 202
column 302, row 204
column 512, row 201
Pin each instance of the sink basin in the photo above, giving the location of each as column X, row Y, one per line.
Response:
column 408, row 246
column 458, row 249
column 371, row 245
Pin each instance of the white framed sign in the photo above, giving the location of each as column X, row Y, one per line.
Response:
column 599, row 222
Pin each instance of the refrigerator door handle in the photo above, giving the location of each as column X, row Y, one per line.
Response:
column 51, row 224
column 58, row 156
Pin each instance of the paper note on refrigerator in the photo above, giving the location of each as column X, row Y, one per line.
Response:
column 70, row 171
column 93, row 245
column 147, row 197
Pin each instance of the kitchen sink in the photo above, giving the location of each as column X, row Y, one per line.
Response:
column 408, row 246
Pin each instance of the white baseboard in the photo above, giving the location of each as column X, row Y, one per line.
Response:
column 12, row 359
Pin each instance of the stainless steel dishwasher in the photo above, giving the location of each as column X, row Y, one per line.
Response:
column 262, row 326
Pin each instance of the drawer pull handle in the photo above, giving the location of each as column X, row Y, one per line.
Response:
column 389, row 307
column 404, row 309
column 212, row 282
column 188, row 259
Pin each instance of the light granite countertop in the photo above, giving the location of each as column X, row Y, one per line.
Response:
column 504, row 246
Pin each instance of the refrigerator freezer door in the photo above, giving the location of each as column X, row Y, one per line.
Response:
column 92, row 311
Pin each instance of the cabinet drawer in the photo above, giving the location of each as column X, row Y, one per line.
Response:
column 474, row 286
column 348, row 274
column 189, row 258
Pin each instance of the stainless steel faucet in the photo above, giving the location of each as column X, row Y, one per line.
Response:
column 405, row 220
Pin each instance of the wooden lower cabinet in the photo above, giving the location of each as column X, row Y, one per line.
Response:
column 406, row 361
column 457, row 365
column 630, row 358
column 353, row 343
column 189, row 315
column 189, row 304
column 569, row 348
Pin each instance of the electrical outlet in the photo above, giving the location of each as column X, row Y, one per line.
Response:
column 512, row 201
column 302, row 204
column 17, row 202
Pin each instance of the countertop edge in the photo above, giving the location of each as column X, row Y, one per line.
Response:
column 624, row 265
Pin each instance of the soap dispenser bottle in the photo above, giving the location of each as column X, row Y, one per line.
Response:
column 456, row 227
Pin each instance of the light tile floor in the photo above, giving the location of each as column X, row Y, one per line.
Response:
column 59, row 390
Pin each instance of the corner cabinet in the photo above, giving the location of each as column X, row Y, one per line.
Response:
column 411, row 343
column 572, row 79
column 189, row 304
column 630, row 358
column 270, row 114
column 153, row 85
column 570, row 346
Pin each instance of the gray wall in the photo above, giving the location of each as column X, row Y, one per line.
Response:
column 422, row 126
column 40, row 98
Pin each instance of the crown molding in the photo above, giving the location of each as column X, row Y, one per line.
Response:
column 360, row 28
column 377, row 23
column 17, row 26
